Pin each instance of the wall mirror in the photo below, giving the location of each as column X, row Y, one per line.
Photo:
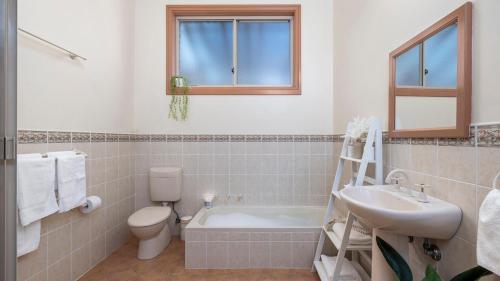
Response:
column 430, row 80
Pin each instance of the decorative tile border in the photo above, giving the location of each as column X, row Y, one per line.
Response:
column 253, row 138
column 269, row 138
column 237, row 138
column 59, row 137
column 189, row 138
column 124, row 138
column 221, row 138
column 300, row 138
column 285, row 138
column 140, row 138
column 112, row 137
column 26, row 136
column 424, row 141
column 80, row 137
column 488, row 136
column 97, row 137
column 205, row 138
column 158, row 138
column 174, row 138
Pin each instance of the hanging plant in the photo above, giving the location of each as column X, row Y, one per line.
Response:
column 179, row 89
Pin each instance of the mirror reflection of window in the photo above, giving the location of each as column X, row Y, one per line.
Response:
column 440, row 59
column 409, row 68
column 431, row 64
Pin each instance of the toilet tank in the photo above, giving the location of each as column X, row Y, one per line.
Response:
column 165, row 184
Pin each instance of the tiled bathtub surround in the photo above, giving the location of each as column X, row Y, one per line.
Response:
column 252, row 248
column 461, row 172
column 72, row 243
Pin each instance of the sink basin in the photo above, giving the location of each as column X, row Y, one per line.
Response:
column 382, row 207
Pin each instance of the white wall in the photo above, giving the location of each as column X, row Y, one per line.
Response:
column 365, row 31
column 310, row 112
column 56, row 93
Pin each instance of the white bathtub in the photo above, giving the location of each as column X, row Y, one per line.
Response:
column 253, row 237
column 258, row 217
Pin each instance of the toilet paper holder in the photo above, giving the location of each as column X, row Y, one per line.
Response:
column 91, row 204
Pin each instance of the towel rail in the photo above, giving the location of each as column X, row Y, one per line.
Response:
column 70, row 53
column 495, row 180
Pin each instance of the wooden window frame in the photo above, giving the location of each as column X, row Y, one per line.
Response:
column 463, row 17
column 174, row 11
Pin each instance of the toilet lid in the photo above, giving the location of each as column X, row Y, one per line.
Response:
column 149, row 216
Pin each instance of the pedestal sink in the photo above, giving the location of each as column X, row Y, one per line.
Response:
column 386, row 208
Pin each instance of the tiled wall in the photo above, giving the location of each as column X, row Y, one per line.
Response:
column 71, row 242
column 269, row 169
column 264, row 170
column 461, row 172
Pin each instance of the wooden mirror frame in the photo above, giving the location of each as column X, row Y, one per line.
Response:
column 463, row 17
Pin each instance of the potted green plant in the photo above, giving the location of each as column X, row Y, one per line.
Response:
column 179, row 89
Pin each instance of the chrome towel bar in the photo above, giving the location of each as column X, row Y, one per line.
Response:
column 70, row 53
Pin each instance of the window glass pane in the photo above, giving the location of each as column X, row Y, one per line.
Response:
column 440, row 56
column 206, row 52
column 264, row 53
column 408, row 71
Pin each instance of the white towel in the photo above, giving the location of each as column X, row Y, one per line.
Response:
column 488, row 233
column 35, row 188
column 348, row 273
column 28, row 237
column 71, row 180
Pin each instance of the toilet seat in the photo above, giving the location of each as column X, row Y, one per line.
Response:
column 149, row 216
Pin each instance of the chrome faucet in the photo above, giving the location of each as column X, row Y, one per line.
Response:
column 391, row 179
column 420, row 188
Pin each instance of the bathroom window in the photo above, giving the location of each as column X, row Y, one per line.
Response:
column 235, row 50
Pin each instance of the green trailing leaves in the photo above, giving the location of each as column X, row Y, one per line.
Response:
column 180, row 101
column 472, row 274
column 395, row 261
column 431, row 274
column 403, row 271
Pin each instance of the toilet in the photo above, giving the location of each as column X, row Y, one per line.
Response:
column 149, row 224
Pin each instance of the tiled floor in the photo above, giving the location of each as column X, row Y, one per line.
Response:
column 124, row 266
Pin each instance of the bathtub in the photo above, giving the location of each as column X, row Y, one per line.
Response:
column 253, row 237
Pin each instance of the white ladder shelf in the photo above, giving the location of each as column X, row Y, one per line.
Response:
column 372, row 154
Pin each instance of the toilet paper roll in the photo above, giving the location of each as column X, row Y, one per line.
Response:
column 93, row 202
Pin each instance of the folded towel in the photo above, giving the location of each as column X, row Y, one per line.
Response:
column 348, row 273
column 28, row 237
column 71, row 180
column 488, row 233
column 356, row 237
column 35, row 188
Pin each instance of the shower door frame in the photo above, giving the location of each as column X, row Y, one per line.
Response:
column 8, row 132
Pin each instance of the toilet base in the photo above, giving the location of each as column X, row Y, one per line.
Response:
column 152, row 247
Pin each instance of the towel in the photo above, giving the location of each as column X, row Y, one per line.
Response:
column 348, row 273
column 488, row 233
column 71, row 180
column 28, row 237
column 356, row 237
column 35, row 188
